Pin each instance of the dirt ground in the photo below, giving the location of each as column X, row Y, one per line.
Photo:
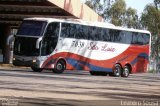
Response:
column 22, row 87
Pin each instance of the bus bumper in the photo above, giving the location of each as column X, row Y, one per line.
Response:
column 30, row 63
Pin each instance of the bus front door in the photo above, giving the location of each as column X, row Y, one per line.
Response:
column 50, row 39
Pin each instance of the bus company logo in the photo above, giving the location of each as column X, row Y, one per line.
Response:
column 105, row 47
column 93, row 46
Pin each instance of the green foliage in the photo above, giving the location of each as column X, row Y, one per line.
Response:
column 131, row 18
column 117, row 12
column 157, row 3
column 150, row 19
column 95, row 5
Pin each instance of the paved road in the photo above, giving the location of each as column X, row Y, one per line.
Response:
column 23, row 87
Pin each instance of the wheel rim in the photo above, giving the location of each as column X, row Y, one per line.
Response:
column 126, row 71
column 59, row 66
column 117, row 71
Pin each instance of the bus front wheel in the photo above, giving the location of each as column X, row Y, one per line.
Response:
column 60, row 67
column 36, row 69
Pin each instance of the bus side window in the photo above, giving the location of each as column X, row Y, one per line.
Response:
column 137, row 38
column 98, row 35
column 72, row 30
column 112, row 35
column 91, row 33
column 85, row 32
column 134, row 38
column 80, row 31
column 68, row 30
column 117, row 36
column 147, row 38
column 106, row 35
column 52, row 30
column 64, row 30
column 128, row 37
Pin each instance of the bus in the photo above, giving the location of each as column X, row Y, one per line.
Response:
column 73, row 44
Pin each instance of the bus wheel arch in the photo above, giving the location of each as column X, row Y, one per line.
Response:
column 60, row 66
column 126, row 70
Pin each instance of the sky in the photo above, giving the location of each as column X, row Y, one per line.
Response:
column 139, row 5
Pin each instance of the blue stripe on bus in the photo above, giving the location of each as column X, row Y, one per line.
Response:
column 124, row 58
column 78, row 65
column 144, row 55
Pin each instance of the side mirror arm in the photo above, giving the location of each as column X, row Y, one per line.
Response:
column 37, row 43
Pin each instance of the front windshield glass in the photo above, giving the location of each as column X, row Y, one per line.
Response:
column 32, row 28
column 26, row 46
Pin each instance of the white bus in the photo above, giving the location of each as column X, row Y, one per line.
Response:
column 71, row 44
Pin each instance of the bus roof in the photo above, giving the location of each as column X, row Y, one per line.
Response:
column 79, row 21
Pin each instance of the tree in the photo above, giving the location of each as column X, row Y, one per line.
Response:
column 131, row 18
column 95, row 5
column 150, row 20
column 100, row 6
column 157, row 4
column 116, row 13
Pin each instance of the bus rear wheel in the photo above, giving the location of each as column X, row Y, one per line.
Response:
column 60, row 67
column 36, row 69
column 116, row 71
column 125, row 72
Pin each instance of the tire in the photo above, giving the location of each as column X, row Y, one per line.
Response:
column 117, row 70
column 125, row 71
column 59, row 67
column 37, row 69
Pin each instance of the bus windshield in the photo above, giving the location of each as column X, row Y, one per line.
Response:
column 26, row 46
column 32, row 28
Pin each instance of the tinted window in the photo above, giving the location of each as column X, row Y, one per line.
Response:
column 52, row 30
column 140, row 38
column 106, row 35
column 26, row 46
column 103, row 34
column 74, row 31
column 146, row 38
column 50, row 39
column 32, row 28
column 68, row 30
column 81, row 32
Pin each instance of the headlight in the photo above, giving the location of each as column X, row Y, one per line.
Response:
column 33, row 61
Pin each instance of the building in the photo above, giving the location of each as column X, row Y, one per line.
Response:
column 12, row 13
